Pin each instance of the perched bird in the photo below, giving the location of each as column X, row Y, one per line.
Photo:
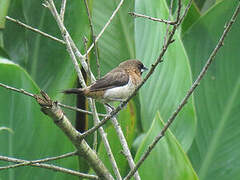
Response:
column 116, row 85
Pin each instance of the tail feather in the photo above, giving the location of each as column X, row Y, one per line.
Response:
column 73, row 91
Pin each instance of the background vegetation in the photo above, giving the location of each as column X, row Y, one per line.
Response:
column 203, row 142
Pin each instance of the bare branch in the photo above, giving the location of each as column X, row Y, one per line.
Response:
column 40, row 160
column 17, row 90
column 124, row 144
column 62, row 11
column 106, row 25
column 35, row 30
column 60, row 104
column 49, row 166
column 152, row 18
column 51, row 109
column 190, row 91
column 79, row 110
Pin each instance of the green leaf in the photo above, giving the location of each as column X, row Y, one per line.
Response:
column 3, row 12
column 35, row 135
column 167, row 160
column 169, row 83
column 215, row 152
column 191, row 17
column 117, row 42
column 128, row 122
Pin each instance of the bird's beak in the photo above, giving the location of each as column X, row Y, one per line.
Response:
column 144, row 69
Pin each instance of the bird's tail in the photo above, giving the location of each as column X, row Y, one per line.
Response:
column 73, row 91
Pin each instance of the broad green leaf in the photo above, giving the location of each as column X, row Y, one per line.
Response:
column 169, row 83
column 34, row 135
column 3, row 12
column 207, row 5
column 204, row 5
column 117, row 42
column 191, row 17
column 167, row 161
column 128, row 122
column 215, row 152
column 47, row 61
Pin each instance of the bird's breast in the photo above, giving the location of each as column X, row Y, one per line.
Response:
column 120, row 93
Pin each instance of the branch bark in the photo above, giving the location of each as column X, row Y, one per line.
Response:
column 51, row 109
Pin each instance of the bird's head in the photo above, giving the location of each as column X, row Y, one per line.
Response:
column 133, row 64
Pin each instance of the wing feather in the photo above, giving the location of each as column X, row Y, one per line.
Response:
column 115, row 78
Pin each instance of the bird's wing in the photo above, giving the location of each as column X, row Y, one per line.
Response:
column 115, row 78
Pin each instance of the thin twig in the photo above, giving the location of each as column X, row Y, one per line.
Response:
column 35, row 30
column 60, row 104
column 190, row 91
column 17, row 90
column 179, row 10
column 168, row 25
column 40, row 160
column 124, row 144
column 62, row 11
column 49, row 166
column 93, row 38
column 152, row 18
column 106, row 25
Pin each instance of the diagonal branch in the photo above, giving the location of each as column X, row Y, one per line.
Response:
column 190, row 91
column 52, row 110
column 62, row 11
column 35, row 30
column 152, row 18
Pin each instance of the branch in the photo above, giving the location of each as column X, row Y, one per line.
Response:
column 152, row 18
column 124, row 144
column 105, row 27
column 38, row 161
column 79, row 110
column 35, row 30
column 190, row 91
column 60, row 104
column 51, row 109
column 49, row 166
column 62, row 11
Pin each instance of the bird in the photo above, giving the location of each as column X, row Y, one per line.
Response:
column 116, row 85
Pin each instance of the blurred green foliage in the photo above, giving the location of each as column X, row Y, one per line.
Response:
column 204, row 139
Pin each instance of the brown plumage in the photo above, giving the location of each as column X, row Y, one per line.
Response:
column 116, row 85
